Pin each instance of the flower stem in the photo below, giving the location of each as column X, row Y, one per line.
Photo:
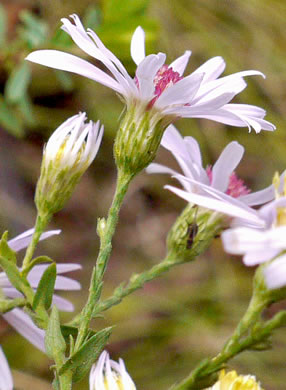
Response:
column 243, row 338
column 40, row 225
column 106, row 233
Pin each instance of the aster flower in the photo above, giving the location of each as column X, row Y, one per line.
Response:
column 108, row 374
column 232, row 381
column 261, row 246
column 158, row 87
column 217, row 188
column 17, row 318
column 68, row 153
column 6, row 381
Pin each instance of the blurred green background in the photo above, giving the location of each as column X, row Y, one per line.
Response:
column 163, row 330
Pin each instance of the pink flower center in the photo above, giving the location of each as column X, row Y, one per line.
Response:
column 236, row 186
column 165, row 77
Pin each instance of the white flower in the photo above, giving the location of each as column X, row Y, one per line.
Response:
column 260, row 246
column 68, row 153
column 158, row 86
column 110, row 375
column 74, row 144
column 17, row 317
column 217, row 187
column 6, row 381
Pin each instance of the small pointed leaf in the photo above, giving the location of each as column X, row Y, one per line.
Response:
column 17, row 83
column 45, row 290
column 5, row 250
column 54, row 341
column 82, row 360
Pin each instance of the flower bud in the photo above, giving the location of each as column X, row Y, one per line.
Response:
column 193, row 232
column 238, row 382
column 68, row 153
column 109, row 375
column 138, row 138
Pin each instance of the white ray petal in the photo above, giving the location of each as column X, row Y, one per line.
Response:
column 137, row 47
column 212, row 69
column 25, row 326
column 6, row 380
column 179, row 65
column 181, row 92
column 217, row 205
column 226, row 164
column 22, row 240
column 146, row 72
column 70, row 63
column 275, row 273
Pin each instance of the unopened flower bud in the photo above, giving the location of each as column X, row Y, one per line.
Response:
column 110, row 375
column 232, row 380
column 138, row 138
column 193, row 232
column 68, row 153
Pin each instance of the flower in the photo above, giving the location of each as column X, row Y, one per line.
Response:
column 17, row 317
column 217, row 188
column 261, row 246
column 109, row 375
column 6, row 381
column 232, row 381
column 68, row 153
column 158, row 87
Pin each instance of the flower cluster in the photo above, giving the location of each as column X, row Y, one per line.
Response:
column 155, row 97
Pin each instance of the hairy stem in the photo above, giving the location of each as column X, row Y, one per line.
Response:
column 204, row 374
column 106, row 231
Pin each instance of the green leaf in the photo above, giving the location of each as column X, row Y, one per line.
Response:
column 15, row 277
column 17, row 84
column 81, row 361
column 68, row 331
column 45, row 290
column 5, row 250
column 35, row 261
column 35, row 30
column 25, row 107
column 3, row 25
column 9, row 120
column 54, row 341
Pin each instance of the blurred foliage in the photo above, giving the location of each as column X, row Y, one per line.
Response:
column 163, row 330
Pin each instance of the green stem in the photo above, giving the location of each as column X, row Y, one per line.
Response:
column 136, row 281
column 106, row 233
column 40, row 225
column 205, row 373
column 7, row 305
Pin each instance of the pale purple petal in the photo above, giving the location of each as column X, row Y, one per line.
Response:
column 23, row 240
column 217, row 205
column 70, row 63
column 6, row 380
column 146, row 72
column 275, row 273
column 212, row 69
column 181, row 92
column 225, row 165
column 259, row 256
column 156, row 168
column 259, row 197
column 62, row 303
column 137, row 47
column 179, row 65
column 25, row 326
